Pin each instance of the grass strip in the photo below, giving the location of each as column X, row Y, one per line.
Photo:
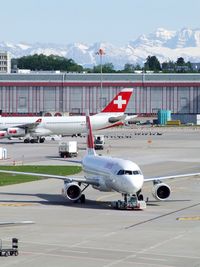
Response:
column 7, row 179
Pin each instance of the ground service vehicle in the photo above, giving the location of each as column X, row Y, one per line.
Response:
column 131, row 203
column 68, row 149
column 13, row 251
column 99, row 142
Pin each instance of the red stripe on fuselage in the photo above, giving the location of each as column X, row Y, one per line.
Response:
column 113, row 125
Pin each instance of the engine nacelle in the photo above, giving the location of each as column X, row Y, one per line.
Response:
column 3, row 134
column 161, row 191
column 71, row 191
column 16, row 132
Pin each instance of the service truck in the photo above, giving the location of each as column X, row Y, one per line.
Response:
column 68, row 149
column 99, row 142
column 131, row 203
column 9, row 251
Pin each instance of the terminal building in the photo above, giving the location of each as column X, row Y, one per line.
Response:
column 39, row 93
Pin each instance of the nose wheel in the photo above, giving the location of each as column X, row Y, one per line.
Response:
column 140, row 196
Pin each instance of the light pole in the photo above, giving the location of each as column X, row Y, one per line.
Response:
column 100, row 53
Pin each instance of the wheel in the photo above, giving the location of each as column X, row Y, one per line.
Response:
column 26, row 140
column 140, row 197
column 11, row 253
column 82, row 198
column 16, row 253
column 41, row 140
column 117, row 205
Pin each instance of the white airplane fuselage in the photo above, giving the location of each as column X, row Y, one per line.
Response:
column 106, row 170
column 66, row 125
column 37, row 127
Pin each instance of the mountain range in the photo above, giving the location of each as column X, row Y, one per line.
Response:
column 164, row 44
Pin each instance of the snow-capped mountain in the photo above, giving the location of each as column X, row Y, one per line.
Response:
column 164, row 44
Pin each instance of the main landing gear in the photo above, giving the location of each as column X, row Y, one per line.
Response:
column 82, row 196
column 34, row 140
column 82, row 199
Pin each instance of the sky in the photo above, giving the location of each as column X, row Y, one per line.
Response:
column 90, row 21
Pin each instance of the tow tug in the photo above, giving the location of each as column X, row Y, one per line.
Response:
column 12, row 251
column 129, row 203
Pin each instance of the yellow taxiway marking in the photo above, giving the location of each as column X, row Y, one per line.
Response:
column 16, row 204
column 193, row 218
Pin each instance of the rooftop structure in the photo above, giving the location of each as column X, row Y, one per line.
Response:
column 5, row 62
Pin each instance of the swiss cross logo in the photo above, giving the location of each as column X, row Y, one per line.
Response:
column 119, row 102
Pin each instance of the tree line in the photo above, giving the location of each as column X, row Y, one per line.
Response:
column 52, row 63
column 46, row 63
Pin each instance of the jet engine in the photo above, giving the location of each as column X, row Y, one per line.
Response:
column 71, row 191
column 3, row 134
column 161, row 191
column 16, row 132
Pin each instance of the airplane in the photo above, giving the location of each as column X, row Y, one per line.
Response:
column 34, row 129
column 107, row 174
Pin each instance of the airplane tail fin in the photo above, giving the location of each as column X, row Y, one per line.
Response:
column 90, row 139
column 119, row 102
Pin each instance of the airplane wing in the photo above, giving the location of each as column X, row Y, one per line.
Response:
column 171, row 176
column 16, row 223
column 30, row 126
column 130, row 117
column 61, row 177
column 74, row 161
column 27, row 126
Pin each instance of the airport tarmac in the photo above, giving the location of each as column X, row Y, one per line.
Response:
column 93, row 234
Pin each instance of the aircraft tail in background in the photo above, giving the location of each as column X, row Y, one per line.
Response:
column 119, row 102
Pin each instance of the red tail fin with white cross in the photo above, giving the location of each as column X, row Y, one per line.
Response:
column 119, row 102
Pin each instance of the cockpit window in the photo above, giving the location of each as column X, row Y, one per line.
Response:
column 128, row 172
column 136, row 172
column 121, row 172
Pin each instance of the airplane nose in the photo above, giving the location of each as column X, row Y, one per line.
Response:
column 135, row 183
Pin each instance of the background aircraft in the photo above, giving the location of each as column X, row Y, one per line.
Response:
column 109, row 174
column 34, row 129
